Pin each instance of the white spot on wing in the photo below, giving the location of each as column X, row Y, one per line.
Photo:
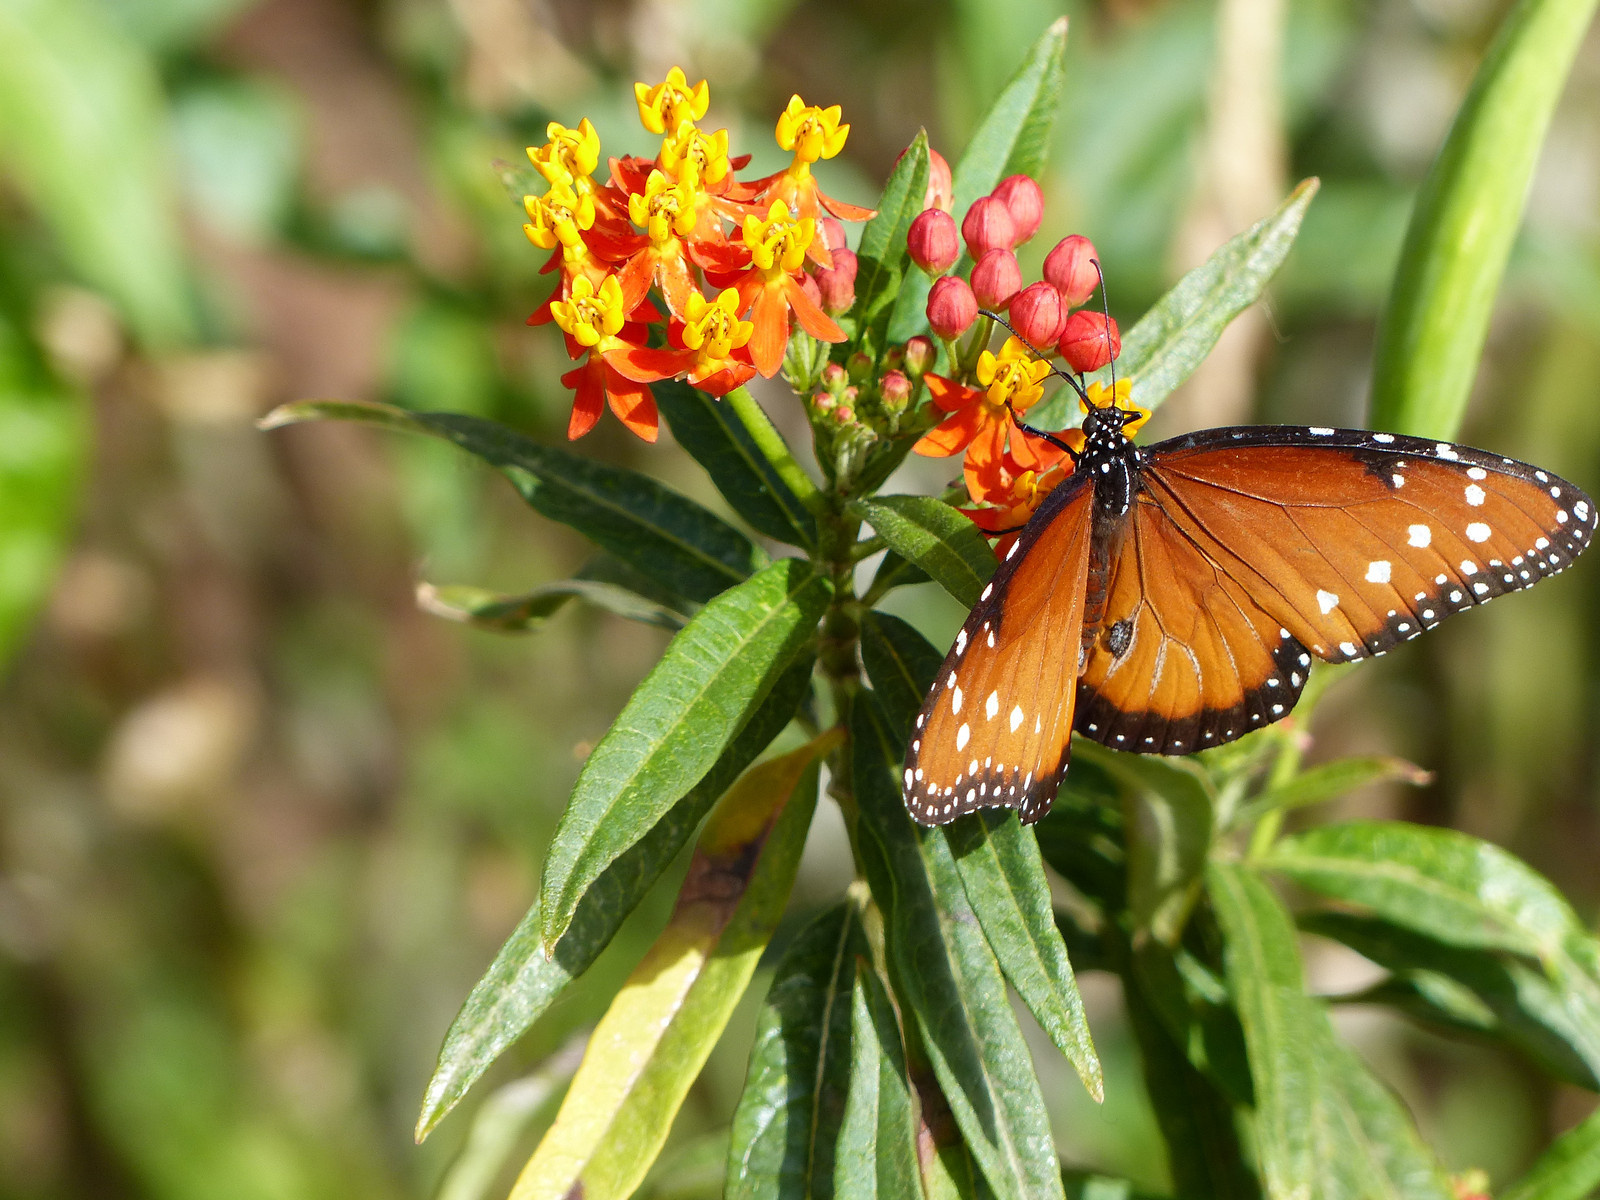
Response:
column 963, row 735
column 1419, row 535
column 1327, row 601
column 955, row 702
column 1446, row 451
column 992, row 705
column 1378, row 571
column 1477, row 532
column 1016, row 718
column 1475, row 495
column 1385, row 438
column 1477, row 473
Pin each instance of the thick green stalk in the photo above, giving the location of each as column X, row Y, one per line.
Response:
column 1465, row 220
column 771, row 443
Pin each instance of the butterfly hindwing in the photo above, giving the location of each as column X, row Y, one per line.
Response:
column 994, row 730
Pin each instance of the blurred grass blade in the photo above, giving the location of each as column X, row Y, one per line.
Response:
column 1003, row 876
column 901, row 663
column 1465, row 220
column 711, row 431
column 877, row 1149
column 1329, row 782
column 649, row 1047
column 1174, row 337
column 678, row 720
column 1569, row 1170
column 651, row 528
column 882, row 256
column 936, row 537
column 948, row 979
column 1013, row 138
column 788, row 1117
column 1324, row 1126
column 523, row 981
column 1450, row 886
column 82, row 131
column 44, row 447
column 1550, row 1014
column 525, row 613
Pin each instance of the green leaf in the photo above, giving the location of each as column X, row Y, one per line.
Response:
column 1003, row 876
column 877, row 1150
column 1087, row 1185
column 1168, row 814
column 1569, row 1170
column 1550, row 1013
column 936, row 537
column 653, row 529
column 1194, row 1009
column 685, row 713
column 1081, row 836
column 901, row 663
column 789, row 1115
column 711, row 431
column 44, row 445
column 1324, row 1126
column 882, row 256
column 1466, row 218
column 523, row 981
column 1447, row 885
column 82, row 127
column 1174, row 337
column 500, row 613
column 649, row 1047
column 1330, row 781
column 894, row 572
column 1013, row 138
column 948, row 978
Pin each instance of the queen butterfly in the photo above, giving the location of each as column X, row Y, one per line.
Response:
column 1198, row 578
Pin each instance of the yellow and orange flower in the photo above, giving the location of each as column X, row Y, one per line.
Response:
column 667, row 105
column 1100, row 396
column 981, row 419
column 771, row 289
column 709, row 349
column 1009, row 493
column 595, row 322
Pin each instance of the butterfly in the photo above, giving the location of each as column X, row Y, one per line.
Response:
column 1169, row 598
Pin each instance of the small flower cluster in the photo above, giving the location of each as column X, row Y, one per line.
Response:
column 1008, row 472
column 731, row 298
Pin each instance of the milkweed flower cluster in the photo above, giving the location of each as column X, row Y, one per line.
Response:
column 1007, row 471
column 736, row 264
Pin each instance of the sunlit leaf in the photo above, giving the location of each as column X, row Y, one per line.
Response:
column 882, row 257
column 936, row 537
column 496, row 611
column 900, row 662
column 1330, row 781
column 1569, row 1170
column 877, row 1149
column 649, row 1047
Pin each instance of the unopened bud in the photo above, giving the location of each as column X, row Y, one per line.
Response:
column 838, row 283
column 932, row 241
column 920, row 354
column 1024, row 201
column 941, row 191
column 1089, row 341
column 858, row 366
column 1070, row 269
column 988, row 226
column 952, row 308
column 892, row 358
column 823, row 402
column 844, row 414
column 895, row 390
column 996, row 278
column 831, row 233
column 834, row 378
column 1039, row 314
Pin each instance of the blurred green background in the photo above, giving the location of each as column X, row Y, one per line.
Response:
column 262, row 822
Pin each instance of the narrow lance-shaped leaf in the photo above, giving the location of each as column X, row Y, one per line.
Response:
column 788, row 1118
column 936, row 537
column 649, row 1047
column 901, row 663
column 1012, row 139
column 950, row 981
column 495, row 611
column 685, row 713
column 882, row 255
column 1569, row 1170
column 1466, row 218
column 710, row 430
column 668, row 537
column 523, row 981
column 1174, row 337
column 1453, row 887
column 877, row 1149
column 1330, row 781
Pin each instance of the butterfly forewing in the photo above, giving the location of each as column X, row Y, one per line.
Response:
column 994, row 729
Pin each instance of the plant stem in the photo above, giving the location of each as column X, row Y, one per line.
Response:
column 771, row 444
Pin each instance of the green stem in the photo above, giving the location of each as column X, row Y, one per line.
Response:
column 770, row 442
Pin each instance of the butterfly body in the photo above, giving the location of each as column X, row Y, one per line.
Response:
column 1171, row 598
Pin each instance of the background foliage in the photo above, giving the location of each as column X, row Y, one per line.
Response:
column 262, row 823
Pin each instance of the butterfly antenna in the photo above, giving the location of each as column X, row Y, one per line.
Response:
column 1105, row 308
column 1054, row 370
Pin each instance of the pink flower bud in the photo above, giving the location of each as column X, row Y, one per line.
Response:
column 895, row 390
column 838, row 284
column 835, row 377
column 988, row 226
column 1024, row 201
column 1039, row 314
column 920, row 354
column 941, row 192
column 932, row 241
column 1069, row 268
column 996, row 278
column 1086, row 343
column 831, row 233
column 952, row 308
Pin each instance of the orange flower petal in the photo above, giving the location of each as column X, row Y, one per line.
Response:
column 720, row 383
column 952, row 435
column 771, row 336
column 846, row 212
column 812, row 319
column 634, row 405
column 676, row 280
column 949, row 395
column 646, row 366
column 590, row 399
